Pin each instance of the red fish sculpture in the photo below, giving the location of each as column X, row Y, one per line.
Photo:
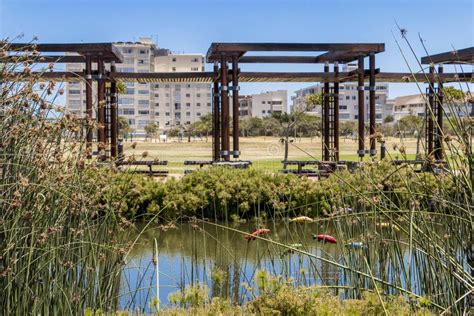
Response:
column 325, row 238
column 257, row 232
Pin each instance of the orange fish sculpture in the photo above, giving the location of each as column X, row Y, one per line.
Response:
column 325, row 238
column 257, row 232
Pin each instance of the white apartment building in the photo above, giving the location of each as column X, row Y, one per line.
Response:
column 416, row 105
column 168, row 105
column 263, row 104
column 348, row 100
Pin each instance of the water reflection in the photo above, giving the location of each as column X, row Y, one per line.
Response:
column 189, row 253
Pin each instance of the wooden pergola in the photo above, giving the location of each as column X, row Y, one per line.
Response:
column 223, row 54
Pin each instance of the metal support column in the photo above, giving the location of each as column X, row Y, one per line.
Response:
column 361, row 112
column 235, row 106
column 373, row 149
column 225, row 141
column 89, row 105
column 336, row 112
column 326, row 126
column 101, row 109
column 429, row 115
column 113, row 114
column 439, row 117
column 215, row 114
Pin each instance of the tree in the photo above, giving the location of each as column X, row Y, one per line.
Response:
column 313, row 100
column 121, row 87
column 151, row 129
column 124, row 129
column 173, row 132
column 271, row 126
column 453, row 94
column 410, row 124
column 389, row 119
column 251, row 126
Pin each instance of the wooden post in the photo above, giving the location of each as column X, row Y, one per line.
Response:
column 101, row 109
column 326, row 116
column 216, row 113
column 235, row 106
column 89, row 105
column 225, row 141
column 373, row 149
column 336, row 112
column 361, row 113
column 439, row 113
column 113, row 115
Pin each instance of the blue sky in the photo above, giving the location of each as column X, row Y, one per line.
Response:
column 190, row 26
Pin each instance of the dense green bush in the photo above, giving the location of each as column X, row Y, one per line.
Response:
column 219, row 193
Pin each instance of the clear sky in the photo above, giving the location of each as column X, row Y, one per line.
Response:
column 190, row 26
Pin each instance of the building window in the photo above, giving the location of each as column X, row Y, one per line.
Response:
column 198, row 114
column 188, row 104
column 143, row 112
column 198, row 95
column 167, row 113
column 157, row 86
column 174, row 59
column 157, row 95
column 143, row 51
column 263, row 102
column 143, row 102
column 198, row 104
column 354, row 97
column 74, row 91
column 130, row 91
column 127, row 101
column 208, row 103
column 128, row 112
column 263, row 111
column 188, row 113
column 343, row 107
column 194, row 68
column 157, row 104
column 188, row 95
column 143, row 92
column 127, row 50
column 194, row 60
column 348, row 97
column 177, row 106
column 174, row 68
column 142, row 62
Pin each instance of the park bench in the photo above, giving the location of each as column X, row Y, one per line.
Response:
column 239, row 164
column 423, row 165
column 324, row 168
column 149, row 164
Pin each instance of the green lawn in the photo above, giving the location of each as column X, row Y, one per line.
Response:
column 264, row 152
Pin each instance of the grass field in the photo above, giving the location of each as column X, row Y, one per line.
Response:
column 264, row 152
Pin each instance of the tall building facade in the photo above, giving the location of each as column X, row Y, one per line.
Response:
column 416, row 105
column 263, row 104
column 169, row 105
column 348, row 103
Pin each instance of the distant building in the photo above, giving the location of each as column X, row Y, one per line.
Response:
column 168, row 105
column 348, row 100
column 263, row 104
column 416, row 105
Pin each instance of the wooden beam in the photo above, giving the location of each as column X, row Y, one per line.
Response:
column 108, row 51
column 461, row 56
